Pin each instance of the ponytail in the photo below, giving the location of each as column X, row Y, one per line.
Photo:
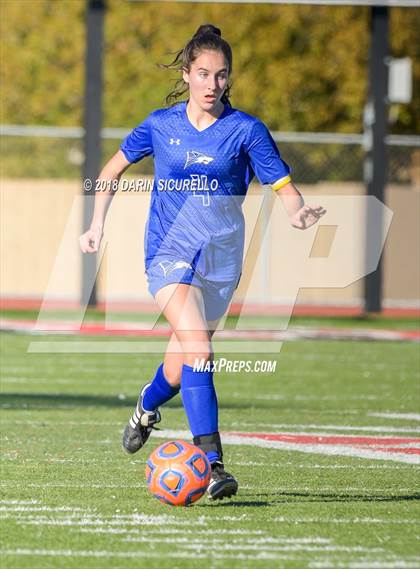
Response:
column 207, row 37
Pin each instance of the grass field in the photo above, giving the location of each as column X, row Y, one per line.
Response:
column 71, row 497
column 271, row 322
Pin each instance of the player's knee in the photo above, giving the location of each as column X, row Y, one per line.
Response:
column 200, row 351
column 202, row 356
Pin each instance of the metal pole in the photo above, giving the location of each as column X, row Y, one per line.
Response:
column 375, row 134
column 95, row 10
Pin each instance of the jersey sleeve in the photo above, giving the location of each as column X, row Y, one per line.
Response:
column 265, row 157
column 138, row 143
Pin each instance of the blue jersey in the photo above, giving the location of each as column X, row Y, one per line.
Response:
column 201, row 179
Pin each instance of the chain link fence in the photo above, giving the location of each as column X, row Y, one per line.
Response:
column 57, row 152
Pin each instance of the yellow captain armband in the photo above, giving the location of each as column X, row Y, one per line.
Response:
column 280, row 183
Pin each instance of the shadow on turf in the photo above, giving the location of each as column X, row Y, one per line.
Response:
column 47, row 400
column 283, row 497
column 287, row 497
column 237, row 504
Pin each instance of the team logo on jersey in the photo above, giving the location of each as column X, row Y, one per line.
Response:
column 169, row 266
column 194, row 157
column 176, row 141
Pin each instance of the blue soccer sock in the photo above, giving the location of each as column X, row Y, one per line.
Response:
column 200, row 404
column 159, row 391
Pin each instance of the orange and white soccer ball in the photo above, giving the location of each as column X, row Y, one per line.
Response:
column 178, row 473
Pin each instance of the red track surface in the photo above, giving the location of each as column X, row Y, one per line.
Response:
column 272, row 310
column 145, row 329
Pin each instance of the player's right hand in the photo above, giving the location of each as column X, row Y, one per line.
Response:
column 90, row 241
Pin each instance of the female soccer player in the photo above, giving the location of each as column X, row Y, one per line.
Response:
column 205, row 155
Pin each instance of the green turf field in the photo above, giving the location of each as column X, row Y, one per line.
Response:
column 72, row 498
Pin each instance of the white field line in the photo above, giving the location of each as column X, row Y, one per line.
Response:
column 170, row 531
column 19, row 502
column 242, row 543
column 120, row 554
column 79, row 517
column 365, row 492
column 72, row 515
column 97, row 523
column 263, row 556
column 259, row 548
column 89, row 520
column 319, row 520
column 374, row 429
column 124, row 532
column 91, row 524
column 202, row 552
column 38, row 509
column 407, row 416
column 334, row 450
column 209, row 546
column 322, row 466
column 168, row 520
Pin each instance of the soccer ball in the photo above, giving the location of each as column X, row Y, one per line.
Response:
column 178, row 473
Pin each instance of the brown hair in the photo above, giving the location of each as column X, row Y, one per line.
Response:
column 207, row 37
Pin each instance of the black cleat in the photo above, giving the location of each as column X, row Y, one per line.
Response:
column 222, row 484
column 139, row 426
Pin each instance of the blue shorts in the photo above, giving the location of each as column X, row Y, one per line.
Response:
column 216, row 295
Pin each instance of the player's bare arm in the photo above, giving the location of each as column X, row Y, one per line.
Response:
column 301, row 216
column 112, row 171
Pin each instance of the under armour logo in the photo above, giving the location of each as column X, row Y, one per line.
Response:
column 175, row 141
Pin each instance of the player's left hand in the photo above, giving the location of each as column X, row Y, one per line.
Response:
column 307, row 216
